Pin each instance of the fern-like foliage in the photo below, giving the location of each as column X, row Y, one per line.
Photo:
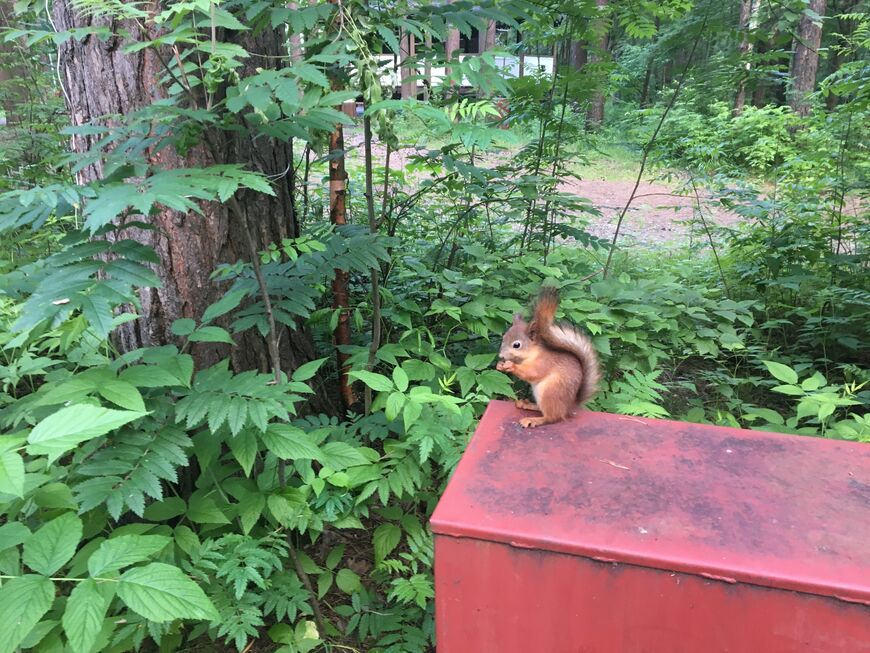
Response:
column 130, row 469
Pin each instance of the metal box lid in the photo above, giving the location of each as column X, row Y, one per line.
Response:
column 780, row 511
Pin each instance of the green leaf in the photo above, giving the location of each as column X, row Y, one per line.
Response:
column 310, row 73
column 85, row 611
column 289, row 443
column 204, row 510
column 791, row 390
column 411, row 413
column 12, row 474
column 307, row 370
column 166, row 509
column 223, row 306
column 161, row 592
column 340, row 455
column 98, row 313
column 400, row 378
column 394, row 405
column 183, row 326
column 63, row 430
column 347, row 581
column 373, row 380
column 782, row 372
column 122, row 393
column 23, row 601
column 244, row 448
column 13, row 534
column 478, row 361
column 211, row 334
column 52, row 546
column 123, row 551
column 385, row 539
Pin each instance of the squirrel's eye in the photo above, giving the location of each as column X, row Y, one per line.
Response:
column 517, row 344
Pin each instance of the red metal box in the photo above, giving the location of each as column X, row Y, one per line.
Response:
column 613, row 534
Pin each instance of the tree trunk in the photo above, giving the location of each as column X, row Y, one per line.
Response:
column 486, row 38
column 578, row 55
column 100, row 80
column 451, row 46
column 427, row 68
column 595, row 112
column 13, row 69
column 805, row 61
column 748, row 22
column 759, row 93
column 407, row 48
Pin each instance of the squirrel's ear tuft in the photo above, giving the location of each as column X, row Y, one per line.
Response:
column 518, row 317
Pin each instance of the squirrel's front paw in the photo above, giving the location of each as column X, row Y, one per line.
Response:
column 532, row 422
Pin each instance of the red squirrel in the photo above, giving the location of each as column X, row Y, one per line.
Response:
column 558, row 361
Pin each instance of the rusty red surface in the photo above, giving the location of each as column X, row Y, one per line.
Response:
column 778, row 511
column 609, row 533
column 494, row 598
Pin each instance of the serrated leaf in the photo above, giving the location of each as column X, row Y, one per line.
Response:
column 85, row 611
column 98, row 313
column 211, row 334
column 373, row 380
column 478, row 361
column 394, row 405
column 63, row 430
column 162, row 592
column 148, row 376
column 52, row 546
column 307, row 370
column 310, row 73
column 385, row 539
column 237, row 414
column 289, row 443
column 12, row 474
column 244, row 449
column 122, row 393
column 340, row 455
column 13, row 534
column 223, row 306
column 166, row 509
column 411, row 413
column 204, row 510
column 183, row 326
column 23, row 601
column 782, row 372
column 123, row 551
column 347, row 581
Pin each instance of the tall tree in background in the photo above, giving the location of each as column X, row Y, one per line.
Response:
column 805, row 62
column 100, row 80
column 748, row 19
column 595, row 112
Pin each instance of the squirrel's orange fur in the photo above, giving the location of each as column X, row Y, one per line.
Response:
column 558, row 361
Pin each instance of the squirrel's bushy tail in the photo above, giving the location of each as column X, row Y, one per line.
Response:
column 566, row 338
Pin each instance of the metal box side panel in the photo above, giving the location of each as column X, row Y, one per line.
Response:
column 491, row 597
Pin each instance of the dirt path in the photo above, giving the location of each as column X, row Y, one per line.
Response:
column 656, row 216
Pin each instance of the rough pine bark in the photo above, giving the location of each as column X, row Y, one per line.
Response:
column 805, row 61
column 100, row 81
